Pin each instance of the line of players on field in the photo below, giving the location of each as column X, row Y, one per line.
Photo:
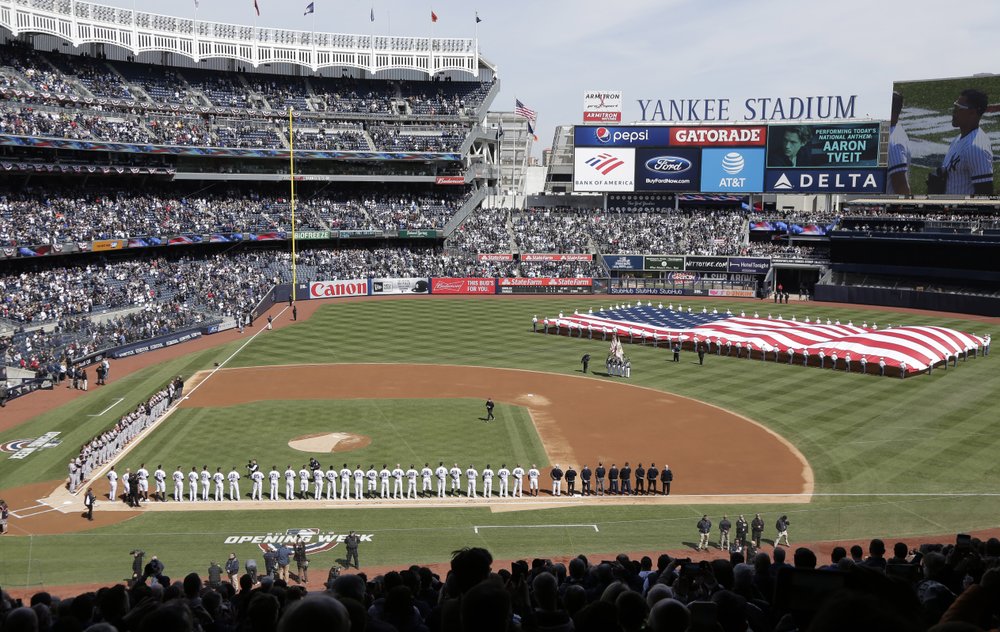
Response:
column 313, row 481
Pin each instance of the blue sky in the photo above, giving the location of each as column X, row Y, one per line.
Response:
column 549, row 52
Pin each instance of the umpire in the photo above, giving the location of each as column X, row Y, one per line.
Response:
column 586, row 361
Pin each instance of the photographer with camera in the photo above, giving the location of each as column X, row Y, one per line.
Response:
column 137, row 566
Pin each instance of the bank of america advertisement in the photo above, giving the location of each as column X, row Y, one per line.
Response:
column 604, row 169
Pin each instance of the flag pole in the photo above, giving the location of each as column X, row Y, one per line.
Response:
column 291, row 183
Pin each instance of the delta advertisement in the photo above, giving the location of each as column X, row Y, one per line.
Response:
column 400, row 286
column 817, row 158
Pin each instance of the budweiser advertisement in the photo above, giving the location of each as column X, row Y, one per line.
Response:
column 338, row 289
column 464, row 286
column 450, row 180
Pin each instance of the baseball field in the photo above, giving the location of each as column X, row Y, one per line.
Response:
column 845, row 456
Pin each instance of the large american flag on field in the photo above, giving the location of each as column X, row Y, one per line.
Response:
column 917, row 346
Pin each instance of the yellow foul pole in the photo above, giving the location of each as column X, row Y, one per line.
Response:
column 291, row 181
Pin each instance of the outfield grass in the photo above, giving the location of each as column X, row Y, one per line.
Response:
column 863, row 435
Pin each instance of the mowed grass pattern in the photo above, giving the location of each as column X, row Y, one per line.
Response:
column 401, row 431
column 874, row 437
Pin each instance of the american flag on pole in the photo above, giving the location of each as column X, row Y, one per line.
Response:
column 522, row 110
column 916, row 346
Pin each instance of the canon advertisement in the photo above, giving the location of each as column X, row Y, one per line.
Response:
column 338, row 289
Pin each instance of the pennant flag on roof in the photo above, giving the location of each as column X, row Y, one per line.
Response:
column 310, row 8
column 256, row 8
column 434, row 16
column 478, row 19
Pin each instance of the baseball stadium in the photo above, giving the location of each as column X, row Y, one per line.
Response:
column 265, row 289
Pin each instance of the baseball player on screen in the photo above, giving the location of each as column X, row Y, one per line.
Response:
column 967, row 168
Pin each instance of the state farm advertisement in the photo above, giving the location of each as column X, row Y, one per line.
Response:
column 464, row 286
column 495, row 256
column 545, row 281
column 743, row 136
column 528, row 256
column 338, row 289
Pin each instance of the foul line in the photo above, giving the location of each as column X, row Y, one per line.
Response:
column 476, row 528
column 100, row 472
column 116, row 402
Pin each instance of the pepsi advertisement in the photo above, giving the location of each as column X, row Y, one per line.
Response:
column 668, row 169
column 587, row 136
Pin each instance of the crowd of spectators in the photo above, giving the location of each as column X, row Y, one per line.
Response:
column 42, row 216
column 551, row 230
column 936, row 587
column 483, row 231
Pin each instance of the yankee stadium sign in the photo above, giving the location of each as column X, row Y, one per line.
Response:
column 748, row 109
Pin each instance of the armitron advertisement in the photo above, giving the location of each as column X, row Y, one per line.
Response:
column 602, row 106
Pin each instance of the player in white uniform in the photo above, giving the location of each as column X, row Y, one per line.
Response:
column 220, row 483
column 178, row 484
column 425, row 476
column 383, row 476
column 504, row 475
column 331, row 483
column 113, row 482
column 518, row 480
column 319, row 478
column 304, row 477
column 397, row 481
column 142, row 474
column 234, row 484
column 533, row 480
column 258, row 485
column 359, row 478
column 273, row 477
column 411, row 482
column 899, row 152
column 456, row 480
column 488, row 482
column 160, row 477
column 471, row 475
column 193, row 484
column 969, row 161
column 441, row 472
column 289, row 483
column 205, row 477
column 345, row 482
column 372, row 475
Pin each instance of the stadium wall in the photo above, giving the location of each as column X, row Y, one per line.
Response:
column 910, row 299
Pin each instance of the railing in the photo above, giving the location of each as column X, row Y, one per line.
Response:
column 82, row 22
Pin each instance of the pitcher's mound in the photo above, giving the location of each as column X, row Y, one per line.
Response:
column 329, row 442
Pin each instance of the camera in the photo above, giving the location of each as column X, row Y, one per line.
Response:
column 136, row 552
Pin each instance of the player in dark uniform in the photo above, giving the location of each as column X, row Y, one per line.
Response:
column 613, row 479
column 652, row 474
column 489, row 409
column 571, row 475
column 666, row 477
column 625, row 477
column 640, row 480
column 599, row 476
column 585, row 476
